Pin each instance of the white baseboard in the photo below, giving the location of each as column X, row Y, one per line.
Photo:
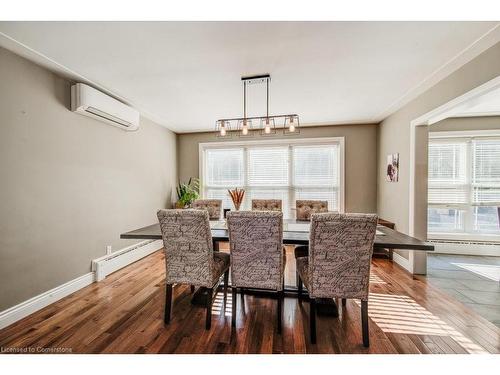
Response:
column 15, row 313
column 402, row 261
column 108, row 264
column 101, row 267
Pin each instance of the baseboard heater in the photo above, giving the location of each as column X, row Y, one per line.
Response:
column 108, row 264
column 466, row 247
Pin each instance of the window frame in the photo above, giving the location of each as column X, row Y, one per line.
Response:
column 468, row 233
column 325, row 141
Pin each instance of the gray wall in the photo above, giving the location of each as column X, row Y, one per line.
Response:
column 69, row 184
column 360, row 160
column 394, row 136
column 466, row 123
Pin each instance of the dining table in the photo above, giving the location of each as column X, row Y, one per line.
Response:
column 295, row 232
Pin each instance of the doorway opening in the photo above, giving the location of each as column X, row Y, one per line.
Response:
column 459, row 145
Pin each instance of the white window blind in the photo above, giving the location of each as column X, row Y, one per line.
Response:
column 225, row 167
column 267, row 166
column 447, row 172
column 268, row 175
column 285, row 171
column 315, row 173
column 464, row 185
column 486, row 172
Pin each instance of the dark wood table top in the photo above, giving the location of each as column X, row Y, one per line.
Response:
column 386, row 238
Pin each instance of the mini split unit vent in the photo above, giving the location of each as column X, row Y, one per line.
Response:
column 93, row 103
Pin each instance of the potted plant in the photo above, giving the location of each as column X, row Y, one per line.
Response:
column 187, row 193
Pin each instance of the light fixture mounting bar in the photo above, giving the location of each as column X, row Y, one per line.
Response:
column 256, row 117
column 261, row 78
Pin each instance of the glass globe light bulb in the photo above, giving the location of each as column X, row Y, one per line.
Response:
column 267, row 128
column 291, row 127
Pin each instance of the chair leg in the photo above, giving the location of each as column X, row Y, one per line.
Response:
column 208, row 322
column 233, row 307
column 312, row 320
column 168, row 303
column 344, row 302
column 280, row 310
column 299, row 290
column 364, row 323
column 192, row 288
column 226, row 281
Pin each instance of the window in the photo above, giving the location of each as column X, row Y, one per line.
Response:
column 446, row 220
column 447, row 191
column 315, row 170
column 299, row 169
column 486, row 185
column 464, row 186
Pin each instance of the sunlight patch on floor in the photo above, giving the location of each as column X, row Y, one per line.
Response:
column 402, row 314
column 375, row 279
column 489, row 271
column 218, row 304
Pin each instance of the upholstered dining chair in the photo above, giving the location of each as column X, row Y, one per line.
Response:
column 189, row 256
column 303, row 211
column 257, row 254
column 213, row 206
column 338, row 264
column 305, row 208
column 266, row 204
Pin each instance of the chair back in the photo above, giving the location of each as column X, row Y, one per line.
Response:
column 305, row 208
column 188, row 246
column 213, row 206
column 255, row 240
column 266, row 204
column 340, row 252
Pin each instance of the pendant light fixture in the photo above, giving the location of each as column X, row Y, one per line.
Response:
column 266, row 124
column 291, row 125
column 244, row 125
column 223, row 129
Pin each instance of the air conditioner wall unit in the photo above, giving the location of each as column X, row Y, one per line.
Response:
column 90, row 102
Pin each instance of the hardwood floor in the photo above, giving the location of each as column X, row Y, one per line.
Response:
column 124, row 314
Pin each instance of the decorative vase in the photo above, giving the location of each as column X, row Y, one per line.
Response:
column 237, row 197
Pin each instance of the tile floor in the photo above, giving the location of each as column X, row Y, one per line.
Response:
column 473, row 280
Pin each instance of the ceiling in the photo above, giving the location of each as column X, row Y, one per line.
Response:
column 186, row 75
